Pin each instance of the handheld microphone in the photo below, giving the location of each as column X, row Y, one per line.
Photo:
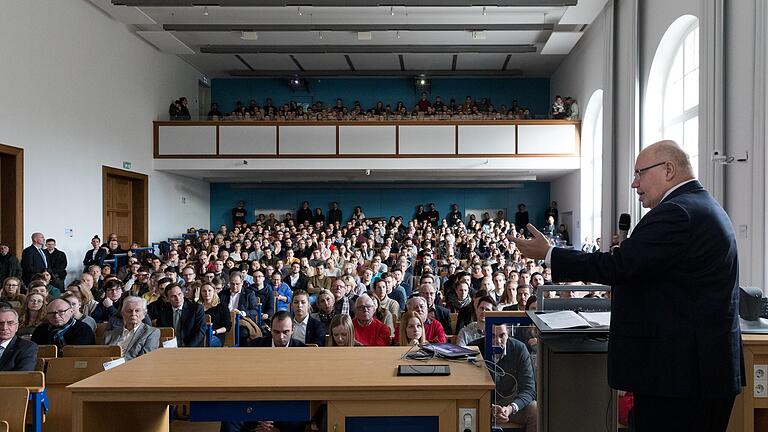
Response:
column 625, row 221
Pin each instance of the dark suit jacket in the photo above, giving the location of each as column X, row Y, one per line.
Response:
column 301, row 283
column 146, row 339
column 517, row 384
column 315, row 332
column 57, row 262
column 443, row 315
column 674, row 302
column 265, row 296
column 20, row 355
column 266, row 341
column 192, row 327
column 31, row 263
column 246, row 303
column 94, row 257
column 79, row 334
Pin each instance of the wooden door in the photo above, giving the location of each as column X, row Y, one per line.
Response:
column 125, row 205
column 119, row 209
column 12, row 197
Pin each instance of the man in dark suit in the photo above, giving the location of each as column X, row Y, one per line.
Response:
column 674, row 338
column 515, row 380
column 16, row 354
column 306, row 328
column 9, row 264
column 334, row 214
column 296, row 280
column 185, row 316
column 57, row 263
column 33, row 259
column 281, row 337
column 237, row 298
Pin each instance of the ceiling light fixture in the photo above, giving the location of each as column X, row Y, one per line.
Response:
column 298, row 10
column 397, row 35
column 484, row 11
column 320, row 35
column 392, row 10
column 205, row 11
column 249, row 35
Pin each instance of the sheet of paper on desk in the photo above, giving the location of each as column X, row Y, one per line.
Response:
column 171, row 343
column 597, row 319
column 110, row 364
column 563, row 320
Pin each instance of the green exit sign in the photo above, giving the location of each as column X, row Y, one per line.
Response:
column 126, row 165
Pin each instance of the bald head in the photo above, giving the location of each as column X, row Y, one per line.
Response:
column 668, row 150
column 658, row 168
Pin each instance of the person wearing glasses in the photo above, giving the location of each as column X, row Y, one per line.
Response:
column 368, row 330
column 681, row 358
column 62, row 328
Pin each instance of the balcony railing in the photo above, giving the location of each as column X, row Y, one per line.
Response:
column 366, row 139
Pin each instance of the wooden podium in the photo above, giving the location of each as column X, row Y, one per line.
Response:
column 356, row 382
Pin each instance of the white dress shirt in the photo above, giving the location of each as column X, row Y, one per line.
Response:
column 300, row 329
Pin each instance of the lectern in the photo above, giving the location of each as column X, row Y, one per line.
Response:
column 574, row 395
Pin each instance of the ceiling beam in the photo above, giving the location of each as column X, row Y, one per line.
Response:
column 374, row 73
column 266, row 28
column 346, row 3
column 367, row 49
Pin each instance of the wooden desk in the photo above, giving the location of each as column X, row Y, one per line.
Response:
column 750, row 414
column 354, row 381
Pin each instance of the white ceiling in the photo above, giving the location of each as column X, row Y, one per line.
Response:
column 566, row 22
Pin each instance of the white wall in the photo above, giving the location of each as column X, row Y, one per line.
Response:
column 80, row 91
column 567, row 192
column 585, row 70
column 743, row 104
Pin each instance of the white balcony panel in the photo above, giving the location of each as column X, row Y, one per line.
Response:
column 314, row 140
column 547, row 139
column 248, row 140
column 487, row 139
column 427, row 139
column 367, row 140
column 187, row 140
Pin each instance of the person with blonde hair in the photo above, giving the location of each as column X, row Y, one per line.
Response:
column 324, row 305
column 411, row 329
column 32, row 315
column 11, row 292
column 342, row 331
column 221, row 320
column 79, row 289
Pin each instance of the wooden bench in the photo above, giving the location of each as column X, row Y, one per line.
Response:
column 34, row 383
column 45, row 353
column 13, row 408
column 62, row 372
column 101, row 328
column 166, row 334
column 92, row 351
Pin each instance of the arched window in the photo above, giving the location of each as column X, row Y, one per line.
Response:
column 672, row 97
column 592, row 168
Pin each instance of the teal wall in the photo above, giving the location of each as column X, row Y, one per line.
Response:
column 531, row 93
column 377, row 200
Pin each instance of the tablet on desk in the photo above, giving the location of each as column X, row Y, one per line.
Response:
column 423, row 370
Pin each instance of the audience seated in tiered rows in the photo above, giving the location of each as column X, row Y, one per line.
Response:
column 303, row 280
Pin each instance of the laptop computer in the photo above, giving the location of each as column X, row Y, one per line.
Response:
column 449, row 350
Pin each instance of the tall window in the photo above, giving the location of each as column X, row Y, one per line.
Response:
column 592, row 168
column 672, row 97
